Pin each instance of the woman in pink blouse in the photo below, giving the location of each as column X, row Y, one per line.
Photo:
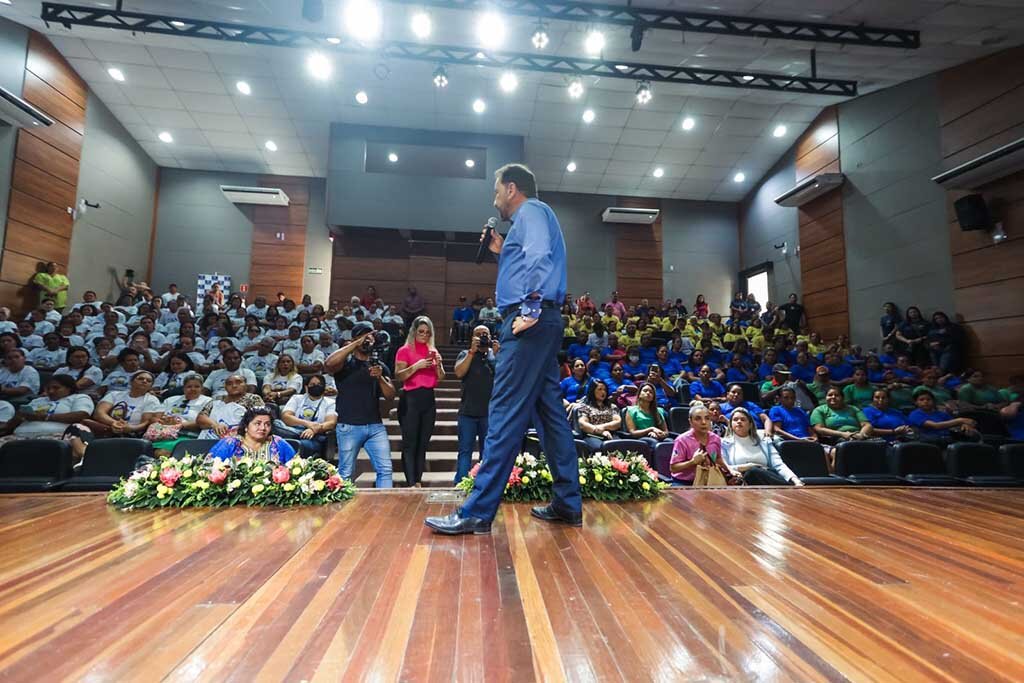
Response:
column 418, row 366
column 695, row 447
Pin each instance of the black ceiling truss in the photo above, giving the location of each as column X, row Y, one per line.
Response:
column 745, row 27
column 137, row 22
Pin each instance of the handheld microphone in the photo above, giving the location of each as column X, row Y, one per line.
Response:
column 485, row 243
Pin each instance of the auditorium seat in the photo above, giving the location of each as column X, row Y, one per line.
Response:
column 977, row 464
column 195, row 447
column 683, row 395
column 679, row 420
column 991, row 426
column 615, row 446
column 865, row 463
column 807, row 460
column 1012, row 457
column 106, row 461
column 663, row 459
column 296, row 446
column 34, row 465
column 920, row 463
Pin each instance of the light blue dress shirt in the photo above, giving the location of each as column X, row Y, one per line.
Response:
column 533, row 256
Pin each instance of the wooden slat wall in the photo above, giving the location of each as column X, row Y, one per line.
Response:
column 822, row 250
column 44, row 175
column 981, row 107
column 638, row 255
column 278, row 265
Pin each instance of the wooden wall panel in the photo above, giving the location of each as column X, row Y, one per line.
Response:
column 829, row 226
column 827, row 301
column 44, row 175
column 981, row 108
column 279, row 265
column 638, row 256
column 831, row 250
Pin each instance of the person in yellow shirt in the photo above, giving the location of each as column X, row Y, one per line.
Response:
column 733, row 333
column 715, row 320
column 815, row 345
column 630, row 337
column 612, row 326
column 585, row 324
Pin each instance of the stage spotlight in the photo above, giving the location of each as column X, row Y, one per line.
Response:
column 440, row 76
column 594, row 43
column 779, row 131
column 636, row 37
column 576, row 89
column 689, row 123
column 490, row 30
column 313, row 10
column 363, row 20
column 421, row 25
column 392, row 157
column 589, row 116
column 508, row 81
column 643, row 92
column 319, row 66
column 470, row 163
column 540, row 37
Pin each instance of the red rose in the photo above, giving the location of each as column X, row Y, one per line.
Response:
column 476, row 468
column 281, row 474
column 620, row 465
column 515, row 478
column 169, row 477
column 334, row 482
column 218, row 476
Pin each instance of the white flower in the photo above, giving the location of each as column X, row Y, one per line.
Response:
column 633, row 478
column 130, row 489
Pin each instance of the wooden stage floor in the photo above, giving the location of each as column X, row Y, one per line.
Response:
column 737, row 585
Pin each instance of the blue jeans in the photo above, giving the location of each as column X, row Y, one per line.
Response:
column 470, row 429
column 526, row 389
column 372, row 437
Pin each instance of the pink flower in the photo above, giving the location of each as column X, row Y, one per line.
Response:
column 281, row 474
column 334, row 482
column 515, row 477
column 473, row 472
column 218, row 476
column 169, row 477
column 620, row 466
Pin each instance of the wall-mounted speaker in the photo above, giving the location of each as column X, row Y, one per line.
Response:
column 972, row 213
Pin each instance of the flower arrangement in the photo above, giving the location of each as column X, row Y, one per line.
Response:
column 211, row 482
column 602, row 477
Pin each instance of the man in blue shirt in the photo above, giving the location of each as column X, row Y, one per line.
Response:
column 579, row 349
column 462, row 321
column 531, row 286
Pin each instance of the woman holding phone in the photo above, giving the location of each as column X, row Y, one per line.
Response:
column 418, row 366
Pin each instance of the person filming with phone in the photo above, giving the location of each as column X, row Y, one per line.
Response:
column 418, row 367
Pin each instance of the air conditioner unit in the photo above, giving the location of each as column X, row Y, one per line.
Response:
column 270, row 196
column 985, row 169
column 810, row 189
column 19, row 113
column 615, row 214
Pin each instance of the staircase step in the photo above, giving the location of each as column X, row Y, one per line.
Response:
column 433, row 480
column 440, row 427
column 438, row 442
column 444, row 414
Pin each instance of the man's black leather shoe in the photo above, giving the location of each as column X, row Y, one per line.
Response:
column 453, row 525
column 551, row 514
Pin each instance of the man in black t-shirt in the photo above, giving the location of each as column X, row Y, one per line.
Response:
column 475, row 368
column 360, row 383
column 793, row 314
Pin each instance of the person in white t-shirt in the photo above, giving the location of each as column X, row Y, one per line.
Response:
column 182, row 411
column 310, row 360
column 263, row 361
column 119, row 379
column 327, row 345
column 221, row 415
column 309, row 417
column 7, row 325
column 29, row 339
column 232, row 365
column 171, row 294
column 38, row 317
column 19, row 382
column 258, row 308
column 78, row 367
column 283, row 383
column 49, row 416
column 127, row 413
column 50, row 355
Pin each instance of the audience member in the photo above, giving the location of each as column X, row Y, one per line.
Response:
column 178, row 414
column 87, row 377
column 790, row 422
column 309, row 417
column 695, row 447
column 19, row 382
column 886, row 423
column 754, row 459
column 48, row 416
column 574, row 387
column 735, row 399
column 223, row 414
column 52, row 284
column 598, row 418
column 705, row 387
column 126, row 412
column 419, row 367
column 946, row 342
column 283, row 383
column 646, row 420
column 835, row 421
column 254, row 439
column 977, row 394
column 462, row 321
column 859, row 392
column 413, row 306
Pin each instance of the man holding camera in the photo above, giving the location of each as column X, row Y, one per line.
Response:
column 475, row 368
column 361, row 380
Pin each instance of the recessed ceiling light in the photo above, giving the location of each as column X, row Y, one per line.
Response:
column 116, row 74
column 658, row 172
column 243, row 88
column 166, row 137
column 576, row 89
column 440, row 76
column 392, row 157
column 479, row 106
column 739, row 177
column 319, row 66
column 421, row 25
column 689, row 123
column 362, row 97
column 270, row 145
column 594, row 43
column 571, row 167
column 363, row 20
column 470, row 163
column 508, row 82
column 779, row 131
column 589, row 116
column 334, row 40
column 490, row 29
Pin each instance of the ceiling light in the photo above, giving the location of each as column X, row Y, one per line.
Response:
column 470, row 163
column 166, row 137
column 576, row 89
column 508, row 81
column 748, row 78
column 363, row 20
column 689, row 123
column 658, row 172
column 362, row 97
column 392, row 157
column 270, row 145
column 589, row 116
column 479, row 106
column 594, row 43
column 739, row 177
column 319, row 66
column 779, row 131
column 540, row 37
column 178, row 24
column 334, row 40
column 116, row 74
column 440, row 76
column 243, row 88
column 421, row 25
column 490, row 29
column 571, row 167
column 643, row 92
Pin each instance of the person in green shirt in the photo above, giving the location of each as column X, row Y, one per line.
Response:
column 821, row 384
column 943, row 396
column 646, row 421
column 52, row 285
column 978, row 395
column 835, row 421
column 859, row 393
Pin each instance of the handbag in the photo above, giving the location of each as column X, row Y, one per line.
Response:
column 708, row 476
column 161, row 432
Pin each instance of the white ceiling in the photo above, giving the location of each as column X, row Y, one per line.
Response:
column 186, row 87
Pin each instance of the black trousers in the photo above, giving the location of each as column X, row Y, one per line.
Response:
column 762, row 476
column 416, row 414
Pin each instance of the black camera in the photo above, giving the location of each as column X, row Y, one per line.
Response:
column 485, row 343
column 376, row 346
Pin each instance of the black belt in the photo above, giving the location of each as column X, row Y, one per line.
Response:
column 508, row 310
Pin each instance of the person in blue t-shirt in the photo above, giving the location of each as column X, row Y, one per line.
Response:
column 666, row 392
column 633, row 367
column 669, row 367
column 876, row 372
column 767, row 365
column 579, row 349
column 1013, row 414
column 790, row 422
column 574, row 387
column 462, row 321
column 803, row 369
column 648, row 349
column 888, row 355
column 742, row 349
column 840, row 372
column 734, row 399
column 904, row 371
column 937, row 425
column 886, row 422
column 737, row 372
column 597, row 368
column 697, row 360
column 619, row 384
column 706, row 387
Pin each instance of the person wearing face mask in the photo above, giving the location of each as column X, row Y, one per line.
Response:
column 634, row 368
column 309, row 417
